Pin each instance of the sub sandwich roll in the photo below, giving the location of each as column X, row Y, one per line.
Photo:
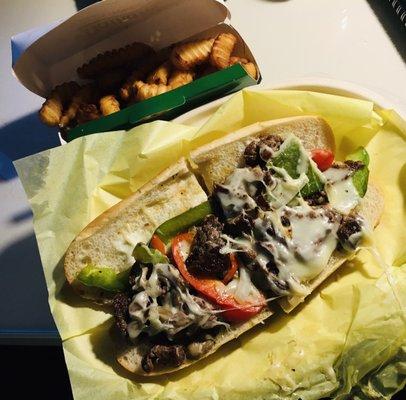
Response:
column 200, row 255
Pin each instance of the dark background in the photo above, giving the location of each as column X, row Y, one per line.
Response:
column 40, row 372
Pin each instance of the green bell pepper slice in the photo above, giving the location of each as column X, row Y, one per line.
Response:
column 180, row 223
column 104, row 278
column 147, row 255
column 360, row 177
column 289, row 159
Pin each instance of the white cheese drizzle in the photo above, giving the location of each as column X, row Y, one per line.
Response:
column 340, row 189
column 162, row 303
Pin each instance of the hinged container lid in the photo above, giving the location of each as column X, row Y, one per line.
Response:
column 54, row 57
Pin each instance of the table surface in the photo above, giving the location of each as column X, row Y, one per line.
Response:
column 292, row 40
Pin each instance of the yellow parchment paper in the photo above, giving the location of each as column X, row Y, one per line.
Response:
column 349, row 336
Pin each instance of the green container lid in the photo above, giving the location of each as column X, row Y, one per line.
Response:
column 170, row 104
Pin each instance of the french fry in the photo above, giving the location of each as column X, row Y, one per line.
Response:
column 86, row 113
column 109, row 105
column 180, row 78
column 187, row 55
column 248, row 66
column 114, row 59
column 52, row 109
column 251, row 70
column 223, row 46
column 126, row 90
column 86, row 94
column 238, row 60
column 161, row 74
column 148, row 90
column 142, row 69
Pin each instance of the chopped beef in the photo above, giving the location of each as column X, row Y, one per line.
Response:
column 354, row 165
column 262, row 202
column 332, row 215
column 205, row 258
column 263, row 276
column 349, row 227
column 251, row 154
column 317, row 199
column 285, row 221
column 120, row 304
column 266, row 278
column 268, row 179
column 243, row 223
column 260, row 150
column 162, row 356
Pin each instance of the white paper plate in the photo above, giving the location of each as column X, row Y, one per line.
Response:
column 200, row 115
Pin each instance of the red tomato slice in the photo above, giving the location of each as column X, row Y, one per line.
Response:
column 323, row 158
column 213, row 289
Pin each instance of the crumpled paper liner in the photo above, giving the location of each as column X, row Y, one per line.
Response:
column 348, row 337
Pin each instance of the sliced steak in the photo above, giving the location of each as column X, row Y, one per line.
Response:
column 243, row 223
column 354, row 165
column 317, row 199
column 163, row 356
column 260, row 150
column 205, row 258
column 348, row 233
column 120, row 305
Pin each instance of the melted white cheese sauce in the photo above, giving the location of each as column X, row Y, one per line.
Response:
column 240, row 189
column 155, row 310
column 285, row 188
column 300, row 251
column 308, row 242
column 340, row 189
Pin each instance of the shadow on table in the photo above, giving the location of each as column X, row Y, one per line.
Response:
column 23, row 293
column 21, row 138
column 391, row 23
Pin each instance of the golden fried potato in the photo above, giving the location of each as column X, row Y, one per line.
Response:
column 238, row 60
column 251, row 70
column 161, row 74
column 109, row 104
column 86, row 94
column 86, row 113
column 180, row 78
column 109, row 60
column 248, row 66
column 148, row 90
column 143, row 67
column 222, row 48
column 187, row 55
column 126, row 90
column 52, row 109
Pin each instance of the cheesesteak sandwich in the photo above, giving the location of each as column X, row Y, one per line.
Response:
column 187, row 269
